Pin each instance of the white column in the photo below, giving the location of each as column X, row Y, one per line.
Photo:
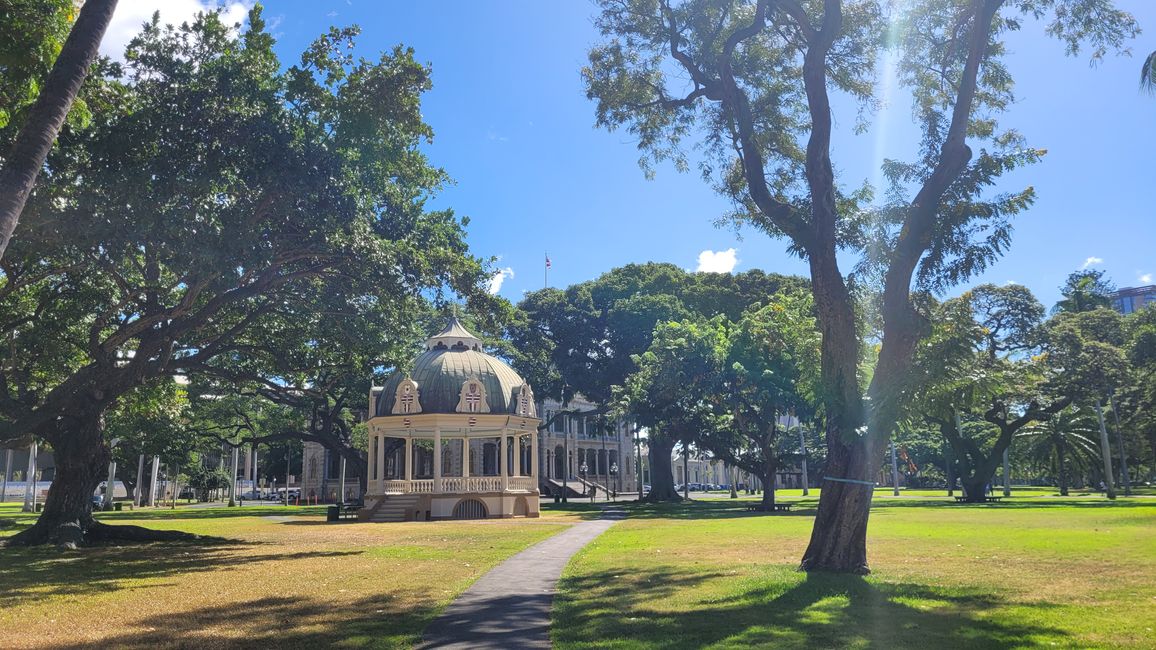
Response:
column 233, row 477
column 30, row 490
column 408, row 459
column 153, row 484
column 108, row 491
column 437, row 460
column 535, row 462
column 465, row 458
column 7, row 472
column 517, row 455
column 136, row 497
column 380, row 460
column 502, row 469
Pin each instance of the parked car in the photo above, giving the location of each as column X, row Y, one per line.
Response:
column 251, row 495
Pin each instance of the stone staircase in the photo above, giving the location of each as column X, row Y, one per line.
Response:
column 395, row 507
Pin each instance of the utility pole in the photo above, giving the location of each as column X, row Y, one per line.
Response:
column 256, row 490
column 894, row 471
column 803, row 450
column 1120, row 445
column 233, row 478
column 30, row 491
column 156, row 470
column 1006, row 474
column 1106, row 452
column 139, row 492
column 7, row 471
column 947, row 456
column 288, row 452
column 686, row 474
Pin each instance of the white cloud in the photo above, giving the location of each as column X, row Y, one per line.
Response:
column 1146, row 278
column 717, row 261
column 1092, row 261
column 499, row 278
column 1010, row 282
column 132, row 14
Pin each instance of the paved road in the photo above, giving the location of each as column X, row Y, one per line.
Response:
column 509, row 607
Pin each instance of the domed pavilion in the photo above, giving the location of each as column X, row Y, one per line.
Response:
column 454, row 438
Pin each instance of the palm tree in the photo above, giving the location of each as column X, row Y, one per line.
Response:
column 46, row 116
column 1065, row 442
column 1148, row 74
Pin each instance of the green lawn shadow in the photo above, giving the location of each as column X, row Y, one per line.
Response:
column 36, row 572
column 821, row 611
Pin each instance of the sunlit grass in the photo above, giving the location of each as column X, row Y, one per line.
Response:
column 282, row 578
column 1036, row 572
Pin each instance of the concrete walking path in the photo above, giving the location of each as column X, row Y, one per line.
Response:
column 509, row 607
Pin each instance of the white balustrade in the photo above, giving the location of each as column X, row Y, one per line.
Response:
column 459, row 485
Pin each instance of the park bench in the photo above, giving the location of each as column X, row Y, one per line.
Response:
column 986, row 499
column 342, row 511
column 778, row 507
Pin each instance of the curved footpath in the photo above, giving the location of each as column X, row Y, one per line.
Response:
column 509, row 607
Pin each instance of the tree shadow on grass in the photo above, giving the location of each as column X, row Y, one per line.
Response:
column 1013, row 503
column 278, row 622
column 35, row 572
column 213, row 513
column 712, row 510
column 820, row 611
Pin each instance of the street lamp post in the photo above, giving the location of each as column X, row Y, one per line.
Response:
column 613, row 476
column 583, row 469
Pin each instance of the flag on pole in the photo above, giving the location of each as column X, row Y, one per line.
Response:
column 547, row 261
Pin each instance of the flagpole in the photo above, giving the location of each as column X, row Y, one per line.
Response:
column 546, row 270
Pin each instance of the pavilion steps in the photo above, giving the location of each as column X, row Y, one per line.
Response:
column 395, row 507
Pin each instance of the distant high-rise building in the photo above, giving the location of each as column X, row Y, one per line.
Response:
column 1131, row 299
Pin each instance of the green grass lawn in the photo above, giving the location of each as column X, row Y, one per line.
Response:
column 1033, row 572
column 281, row 578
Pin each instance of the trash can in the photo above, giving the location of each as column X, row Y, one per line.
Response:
column 332, row 513
column 116, row 505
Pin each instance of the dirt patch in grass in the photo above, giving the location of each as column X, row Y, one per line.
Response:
column 289, row 583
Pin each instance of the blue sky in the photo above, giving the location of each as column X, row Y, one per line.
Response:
column 515, row 131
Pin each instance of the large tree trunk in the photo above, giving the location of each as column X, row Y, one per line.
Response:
column 81, row 460
column 768, row 478
column 47, row 115
column 661, row 475
column 839, row 537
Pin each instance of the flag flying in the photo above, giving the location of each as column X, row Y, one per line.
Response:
column 547, row 261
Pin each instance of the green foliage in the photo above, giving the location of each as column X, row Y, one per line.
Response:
column 1084, row 291
column 232, row 219
column 583, row 339
column 32, row 33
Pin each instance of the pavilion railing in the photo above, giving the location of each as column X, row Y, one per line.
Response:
column 458, row 484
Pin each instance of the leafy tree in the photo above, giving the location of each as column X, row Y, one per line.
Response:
column 665, row 394
column 978, row 386
column 770, row 370
column 1148, row 73
column 754, row 80
column 47, row 114
column 1084, row 291
column 218, row 201
column 1086, row 350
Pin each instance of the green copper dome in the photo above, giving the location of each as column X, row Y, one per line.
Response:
column 454, row 356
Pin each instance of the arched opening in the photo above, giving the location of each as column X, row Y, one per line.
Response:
column 559, row 462
column 470, row 509
column 520, row 507
column 489, row 459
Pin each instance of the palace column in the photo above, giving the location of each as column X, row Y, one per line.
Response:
column 465, row 459
column 535, row 462
column 517, row 455
column 437, row 460
column 408, row 459
column 503, row 469
column 380, row 460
